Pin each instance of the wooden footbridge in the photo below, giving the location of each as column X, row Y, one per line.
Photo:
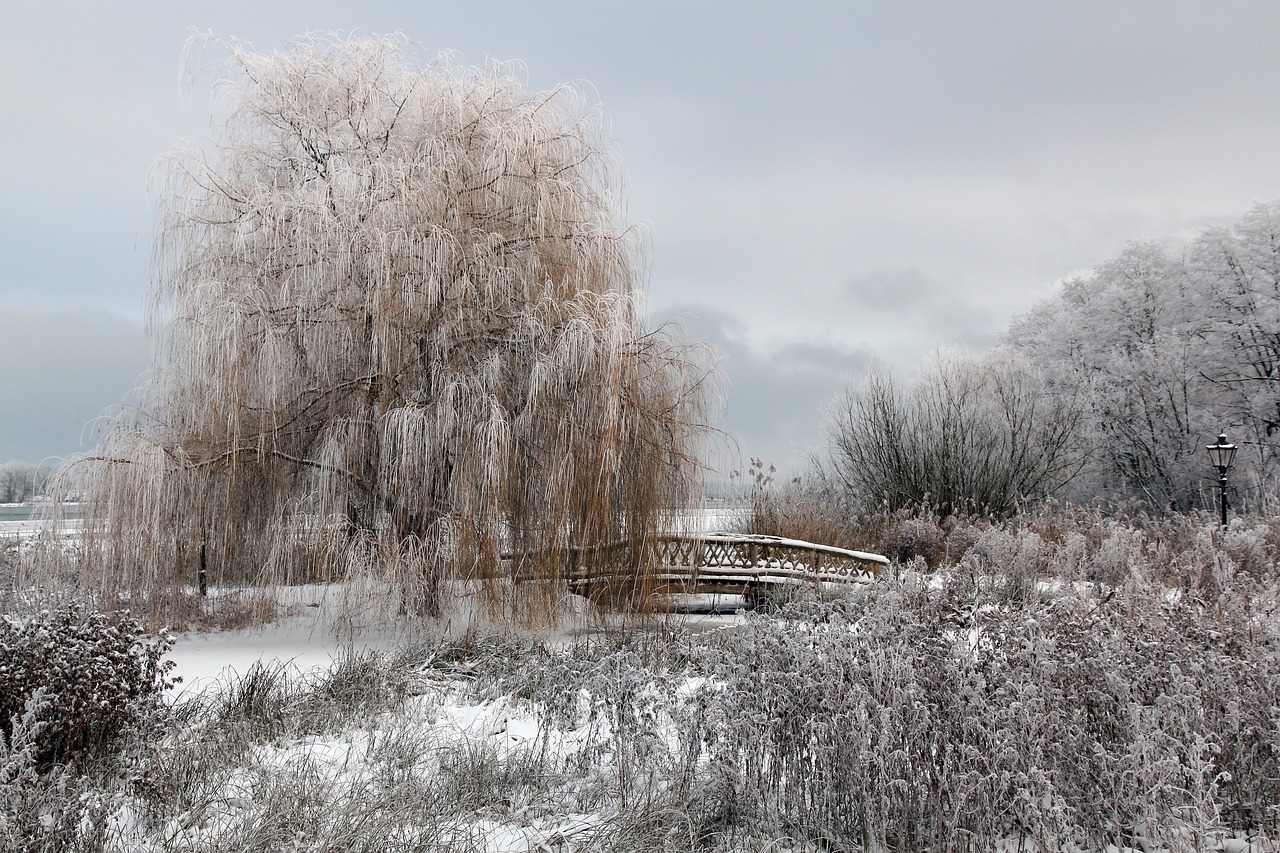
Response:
column 706, row 563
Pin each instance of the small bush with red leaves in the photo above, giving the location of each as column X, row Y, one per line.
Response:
column 94, row 677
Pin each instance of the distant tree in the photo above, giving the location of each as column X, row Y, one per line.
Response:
column 965, row 435
column 1237, row 306
column 22, row 481
column 8, row 483
column 399, row 332
column 1126, row 338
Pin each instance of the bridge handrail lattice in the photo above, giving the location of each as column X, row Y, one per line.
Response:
column 732, row 559
column 726, row 561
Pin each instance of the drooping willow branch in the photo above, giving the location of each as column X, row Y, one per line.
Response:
column 398, row 331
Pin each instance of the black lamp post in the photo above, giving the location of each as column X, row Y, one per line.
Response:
column 1222, row 455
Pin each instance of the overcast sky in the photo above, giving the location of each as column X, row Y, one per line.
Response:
column 824, row 182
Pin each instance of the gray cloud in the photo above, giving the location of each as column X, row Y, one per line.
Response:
column 61, row 371
column 830, row 179
column 921, row 313
column 776, row 398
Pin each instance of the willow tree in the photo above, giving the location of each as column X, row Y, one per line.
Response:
column 398, row 331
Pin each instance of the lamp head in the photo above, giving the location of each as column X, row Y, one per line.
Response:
column 1222, row 454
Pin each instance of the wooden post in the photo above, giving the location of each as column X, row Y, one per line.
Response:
column 204, row 576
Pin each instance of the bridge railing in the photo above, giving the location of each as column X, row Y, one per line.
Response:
column 720, row 562
column 726, row 562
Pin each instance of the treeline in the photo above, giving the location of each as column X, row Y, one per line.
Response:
column 1109, row 390
column 22, row 481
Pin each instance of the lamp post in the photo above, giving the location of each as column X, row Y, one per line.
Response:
column 1222, row 455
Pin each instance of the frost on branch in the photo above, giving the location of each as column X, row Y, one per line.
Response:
column 398, row 330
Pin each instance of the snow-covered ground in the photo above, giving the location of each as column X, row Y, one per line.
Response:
column 318, row 627
column 442, row 718
column 301, row 643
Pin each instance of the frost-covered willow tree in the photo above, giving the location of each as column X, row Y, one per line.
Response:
column 397, row 332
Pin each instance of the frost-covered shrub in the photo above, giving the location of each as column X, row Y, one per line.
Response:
column 1103, row 546
column 914, row 535
column 1253, row 546
column 621, row 695
column 1013, row 558
column 101, row 676
column 10, row 554
column 43, row 810
column 949, row 716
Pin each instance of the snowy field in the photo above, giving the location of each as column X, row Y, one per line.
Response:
column 318, row 628
column 457, row 723
column 1033, row 712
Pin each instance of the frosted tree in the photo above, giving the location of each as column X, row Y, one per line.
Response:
column 398, row 332
column 1121, row 335
column 965, row 434
column 1144, row 336
column 1237, row 302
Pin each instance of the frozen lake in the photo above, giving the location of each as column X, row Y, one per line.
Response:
column 27, row 512
column 23, row 519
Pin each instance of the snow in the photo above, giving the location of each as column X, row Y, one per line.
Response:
column 319, row 627
column 311, row 635
column 300, row 643
column 439, row 715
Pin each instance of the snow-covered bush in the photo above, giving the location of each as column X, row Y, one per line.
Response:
column 8, row 564
column 950, row 716
column 43, row 809
column 101, row 676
